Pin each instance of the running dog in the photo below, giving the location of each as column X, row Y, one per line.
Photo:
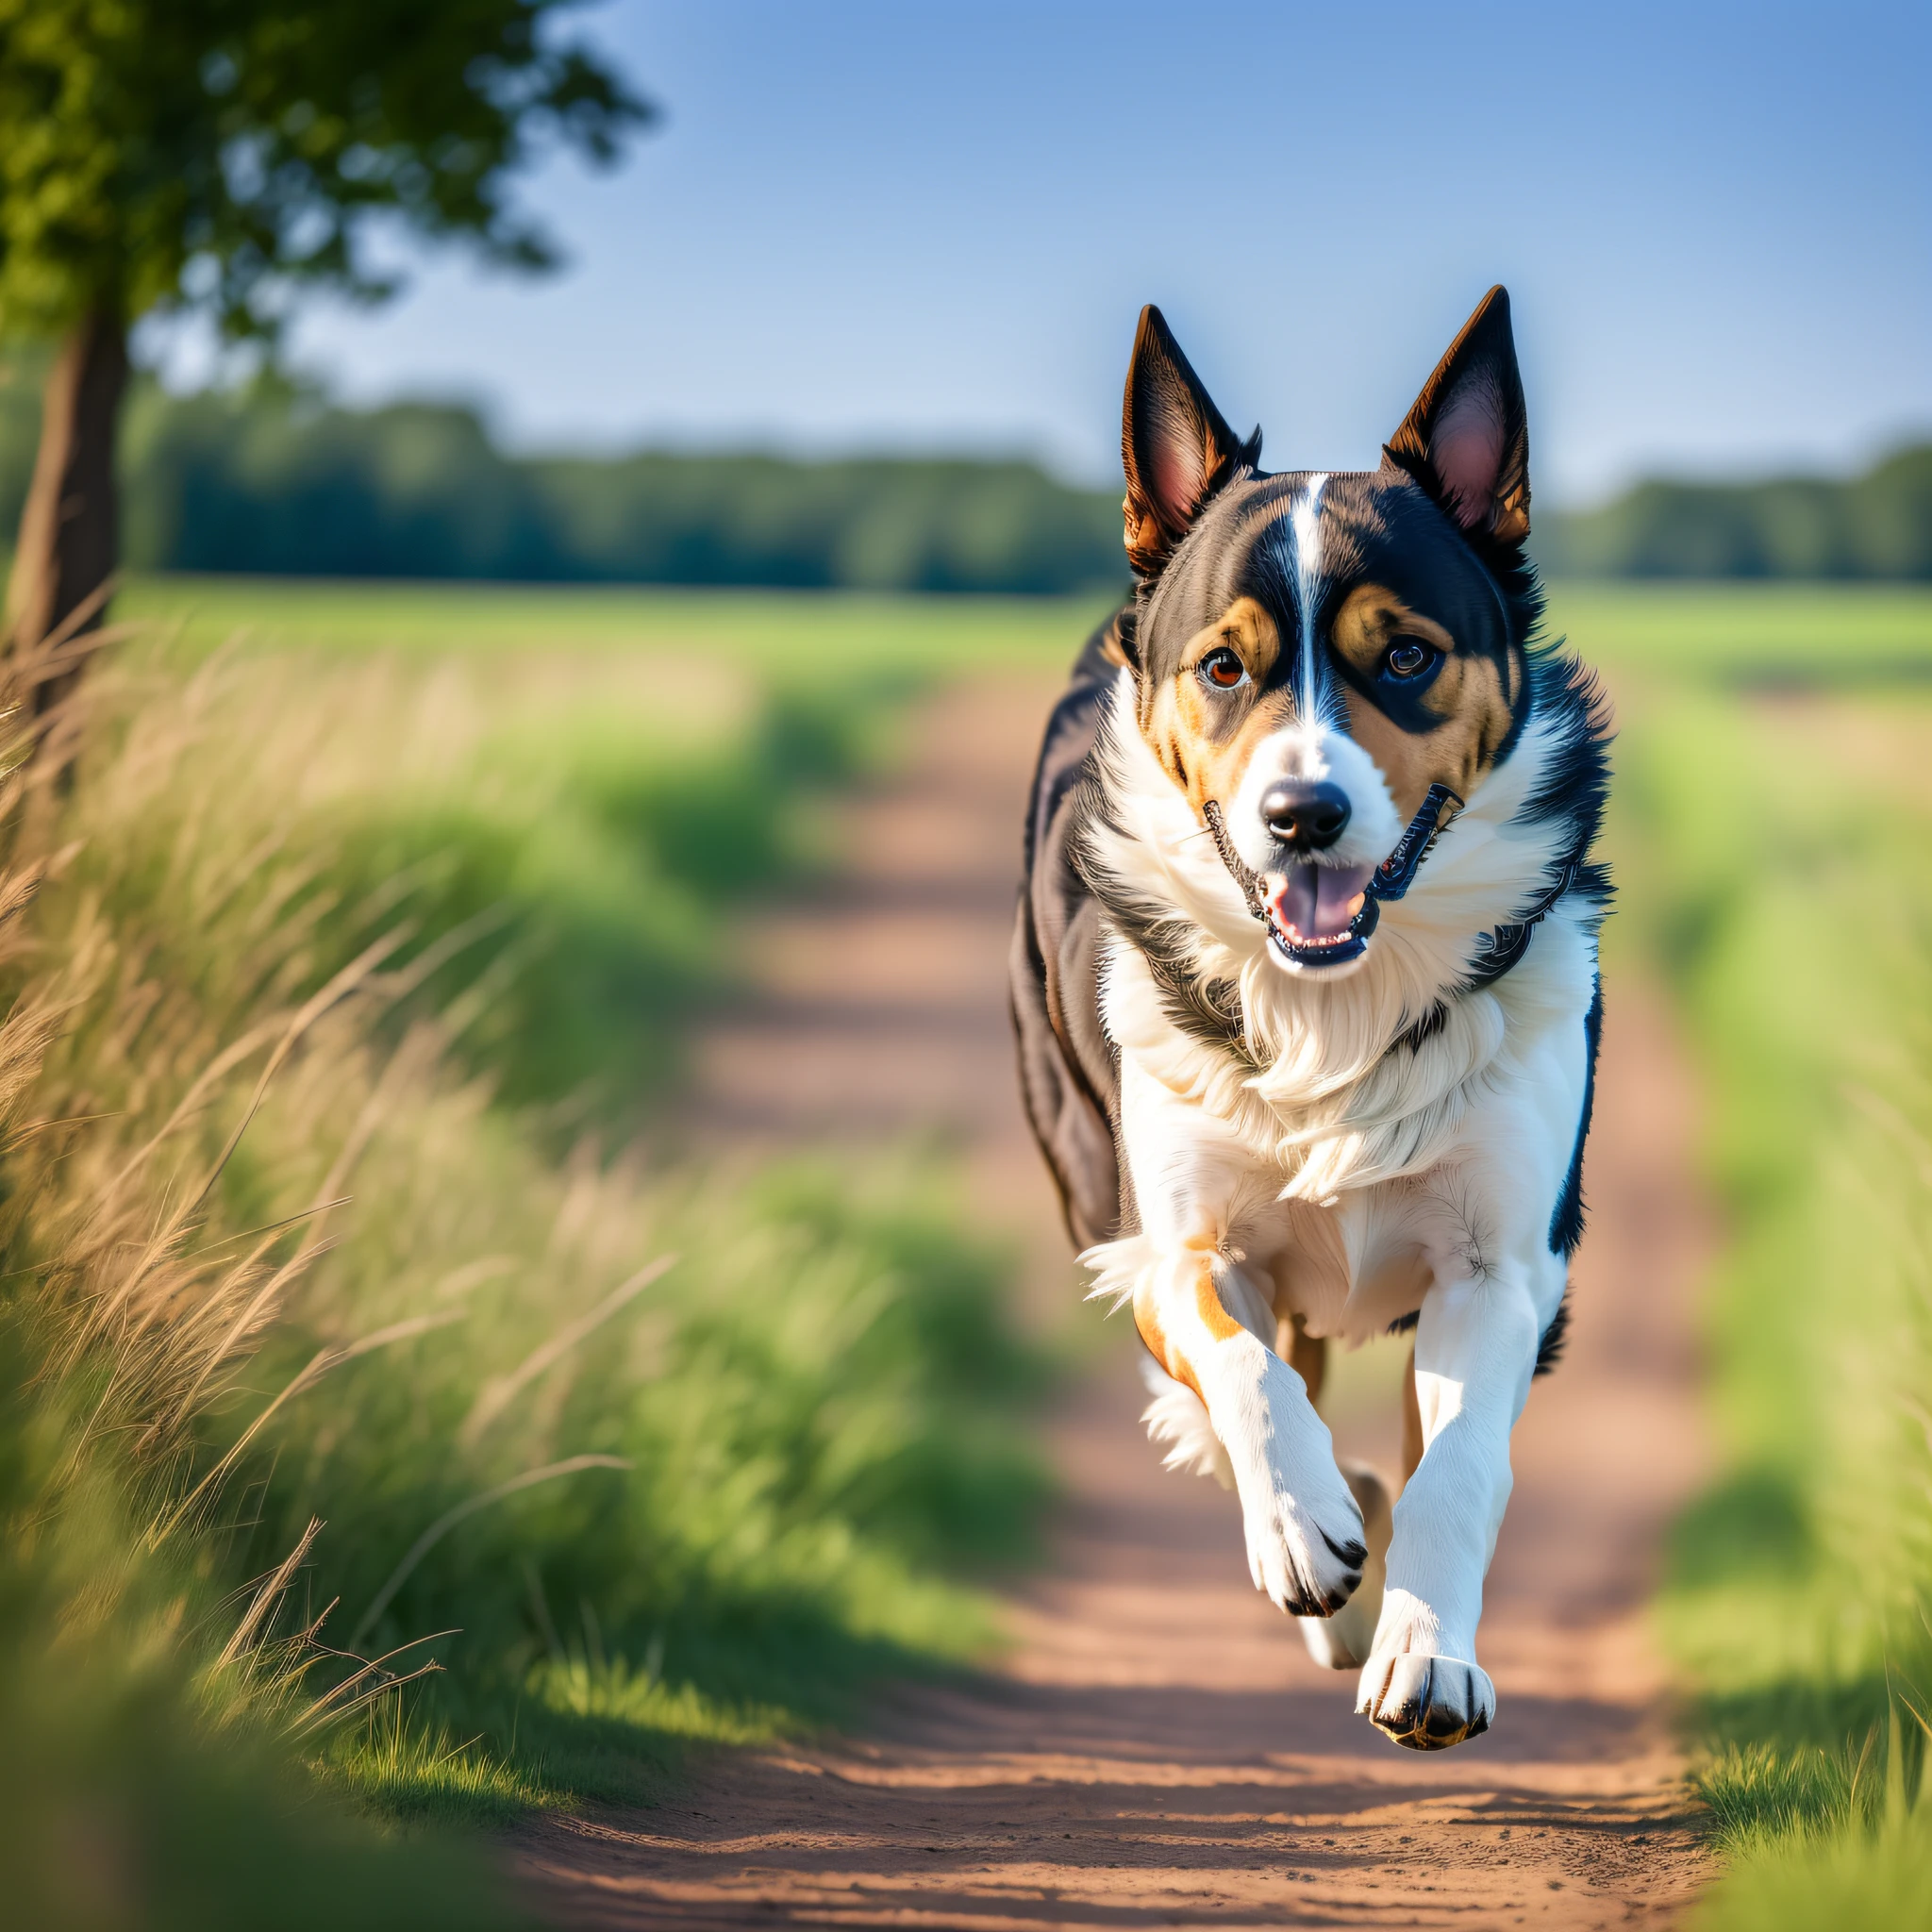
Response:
column 1305, row 985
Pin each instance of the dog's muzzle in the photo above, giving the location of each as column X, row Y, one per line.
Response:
column 1323, row 915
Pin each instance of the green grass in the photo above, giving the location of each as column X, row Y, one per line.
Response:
column 1803, row 635
column 387, row 1288
column 138, row 1785
column 590, row 781
column 792, row 637
column 791, row 1461
column 1716, row 632
column 1773, row 853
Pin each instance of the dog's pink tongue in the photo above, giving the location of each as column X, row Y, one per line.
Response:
column 1318, row 901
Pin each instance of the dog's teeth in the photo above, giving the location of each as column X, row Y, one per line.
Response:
column 1356, row 905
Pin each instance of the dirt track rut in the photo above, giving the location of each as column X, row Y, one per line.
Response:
column 1158, row 1750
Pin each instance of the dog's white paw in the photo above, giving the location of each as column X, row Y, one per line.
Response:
column 1426, row 1703
column 1297, row 1564
column 1302, row 1567
column 1343, row 1641
column 1306, row 1547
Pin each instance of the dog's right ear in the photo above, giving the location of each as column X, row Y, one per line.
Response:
column 1175, row 447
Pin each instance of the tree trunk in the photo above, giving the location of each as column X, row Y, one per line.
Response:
column 70, row 529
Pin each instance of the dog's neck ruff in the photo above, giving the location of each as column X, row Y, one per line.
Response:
column 1390, row 879
column 1503, row 946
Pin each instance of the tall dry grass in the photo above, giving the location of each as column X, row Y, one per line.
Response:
column 147, row 1778
column 337, row 1373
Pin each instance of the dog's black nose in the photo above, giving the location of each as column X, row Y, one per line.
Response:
column 1309, row 817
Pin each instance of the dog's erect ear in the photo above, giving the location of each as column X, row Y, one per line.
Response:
column 1176, row 445
column 1467, row 439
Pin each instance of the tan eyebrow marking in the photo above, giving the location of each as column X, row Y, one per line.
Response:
column 1243, row 627
column 1202, row 739
column 1371, row 617
column 1472, row 701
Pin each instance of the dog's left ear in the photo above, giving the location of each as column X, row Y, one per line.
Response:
column 1175, row 447
column 1467, row 439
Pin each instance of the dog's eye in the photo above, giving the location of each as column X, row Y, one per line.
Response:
column 1223, row 670
column 1409, row 658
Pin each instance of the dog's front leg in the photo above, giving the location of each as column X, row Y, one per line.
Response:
column 1475, row 1353
column 1205, row 1323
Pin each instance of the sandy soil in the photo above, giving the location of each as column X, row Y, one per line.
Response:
column 1156, row 1749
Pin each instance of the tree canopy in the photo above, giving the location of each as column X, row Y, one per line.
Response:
column 218, row 154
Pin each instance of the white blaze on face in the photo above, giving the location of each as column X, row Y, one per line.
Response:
column 1303, row 522
column 1311, row 748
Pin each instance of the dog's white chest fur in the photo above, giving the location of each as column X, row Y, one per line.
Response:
column 1366, row 1131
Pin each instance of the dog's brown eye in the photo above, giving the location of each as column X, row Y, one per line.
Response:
column 1223, row 670
column 1409, row 660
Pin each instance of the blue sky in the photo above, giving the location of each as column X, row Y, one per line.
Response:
column 912, row 225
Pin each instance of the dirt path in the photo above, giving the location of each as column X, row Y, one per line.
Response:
column 1158, row 1750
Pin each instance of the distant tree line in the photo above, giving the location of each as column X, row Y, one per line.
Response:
column 1876, row 525
column 271, row 479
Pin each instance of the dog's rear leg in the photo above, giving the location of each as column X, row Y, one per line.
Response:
column 1305, row 1354
column 1411, row 1423
column 1346, row 1639
column 1341, row 1642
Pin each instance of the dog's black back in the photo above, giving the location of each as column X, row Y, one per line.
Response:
column 1069, row 1076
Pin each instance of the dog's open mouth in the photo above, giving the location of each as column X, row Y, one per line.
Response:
column 1320, row 915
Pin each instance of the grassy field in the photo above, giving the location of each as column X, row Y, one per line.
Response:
column 604, row 773
column 354, row 1315
column 422, row 888
column 1772, row 822
column 808, row 640
column 1838, row 634
column 1751, row 636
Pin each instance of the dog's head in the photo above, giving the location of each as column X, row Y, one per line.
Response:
column 1313, row 652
